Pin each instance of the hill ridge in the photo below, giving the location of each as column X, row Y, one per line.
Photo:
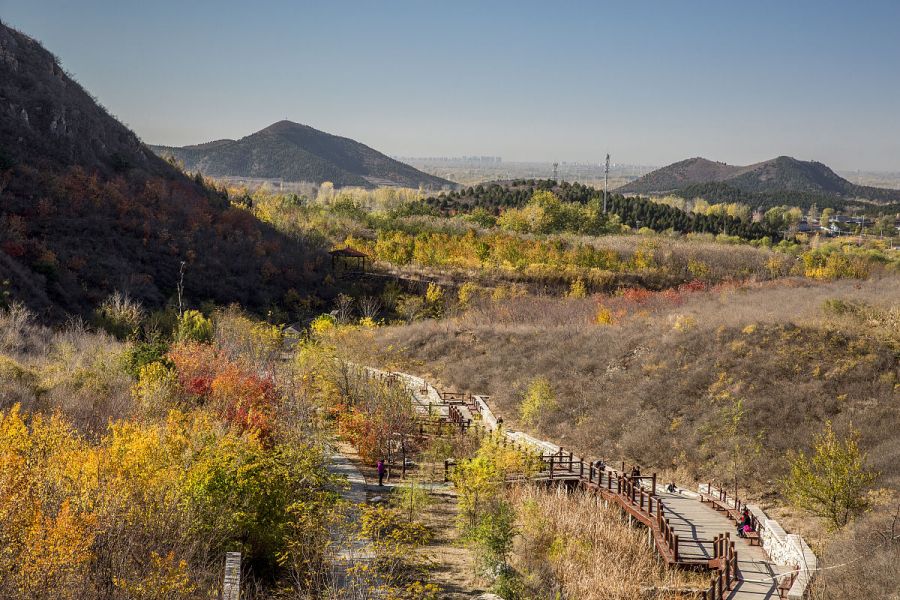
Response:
column 87, row 209
column 780, row 174
column 299, row 152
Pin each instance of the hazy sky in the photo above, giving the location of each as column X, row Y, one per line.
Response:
column 650, row 82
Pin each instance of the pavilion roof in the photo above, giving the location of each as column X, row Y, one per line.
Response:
column 348, row 251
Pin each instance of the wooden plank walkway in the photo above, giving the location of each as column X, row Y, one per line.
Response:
column 695, row 522
column 687, row 532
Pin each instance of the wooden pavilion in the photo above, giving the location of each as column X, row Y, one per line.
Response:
column 348, row 259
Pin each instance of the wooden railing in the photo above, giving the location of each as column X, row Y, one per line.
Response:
column 726, row 569
column 636, row 495
column 459, row 419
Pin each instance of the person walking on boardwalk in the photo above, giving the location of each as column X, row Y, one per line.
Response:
column 380, row 472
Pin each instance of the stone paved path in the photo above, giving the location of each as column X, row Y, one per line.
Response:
column 350, row 550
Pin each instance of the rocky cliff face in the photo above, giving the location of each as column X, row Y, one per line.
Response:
column 49, row 121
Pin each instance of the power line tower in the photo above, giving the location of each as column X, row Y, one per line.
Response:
column 606, row 183
column 555, row 170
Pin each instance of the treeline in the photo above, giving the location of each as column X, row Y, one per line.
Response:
column 515, row 194
column 634, row 212
column 638, row 212
column 722, row 192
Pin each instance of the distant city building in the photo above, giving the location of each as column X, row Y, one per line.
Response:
column 484, row 160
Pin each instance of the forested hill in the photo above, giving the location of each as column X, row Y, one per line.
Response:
column 783, row 176
column 634, row 212
column 295, row 152
column 86, row 209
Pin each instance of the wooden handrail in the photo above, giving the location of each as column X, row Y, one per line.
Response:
column 637, row 498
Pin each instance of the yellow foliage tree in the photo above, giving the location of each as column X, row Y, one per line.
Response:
column 577, row 289
column 538, row 400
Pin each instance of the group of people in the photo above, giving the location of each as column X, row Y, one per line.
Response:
column 745, row 525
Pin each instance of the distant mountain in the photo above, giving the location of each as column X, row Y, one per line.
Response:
column 87, row 209
column 680, row 174
column 295, row 152
column 778, row 175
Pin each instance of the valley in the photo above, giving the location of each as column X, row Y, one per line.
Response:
column 288, row 366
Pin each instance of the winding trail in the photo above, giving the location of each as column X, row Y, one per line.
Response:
column 350, row 550
column 696, row 523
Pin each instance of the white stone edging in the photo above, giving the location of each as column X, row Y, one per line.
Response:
column 785, row 549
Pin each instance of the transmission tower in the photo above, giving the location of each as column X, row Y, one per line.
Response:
column 606, row 183
column 555, row 170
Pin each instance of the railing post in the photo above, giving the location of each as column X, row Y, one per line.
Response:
column 728, row 570
column 675, row 546
column 551, row 467
column 653, row 485
column 734, row 558
column 581, row 469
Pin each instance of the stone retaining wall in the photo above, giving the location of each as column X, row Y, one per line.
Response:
column 786, row 549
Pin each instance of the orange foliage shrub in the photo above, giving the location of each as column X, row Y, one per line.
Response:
column 637, row 295
column 244, row 399
column 241, row 397
column 196, row 365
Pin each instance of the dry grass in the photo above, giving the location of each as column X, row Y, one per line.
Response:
column 646, row 388
column 654, row 386
column 72, row 370
column 574, row 546
column 864, row 560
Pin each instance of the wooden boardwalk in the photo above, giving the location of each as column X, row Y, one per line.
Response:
column 687, row 533
column 695, row 522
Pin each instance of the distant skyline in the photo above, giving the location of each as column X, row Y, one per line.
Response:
column 649, row 82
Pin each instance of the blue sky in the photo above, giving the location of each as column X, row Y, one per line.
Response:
column 650, row 82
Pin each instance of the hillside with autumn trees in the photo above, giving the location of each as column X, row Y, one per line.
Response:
column 186, row 373
column 87, row 209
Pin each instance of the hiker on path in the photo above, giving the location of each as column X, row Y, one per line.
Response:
column 380, row 472
column 671, row 488
column 745, row 525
